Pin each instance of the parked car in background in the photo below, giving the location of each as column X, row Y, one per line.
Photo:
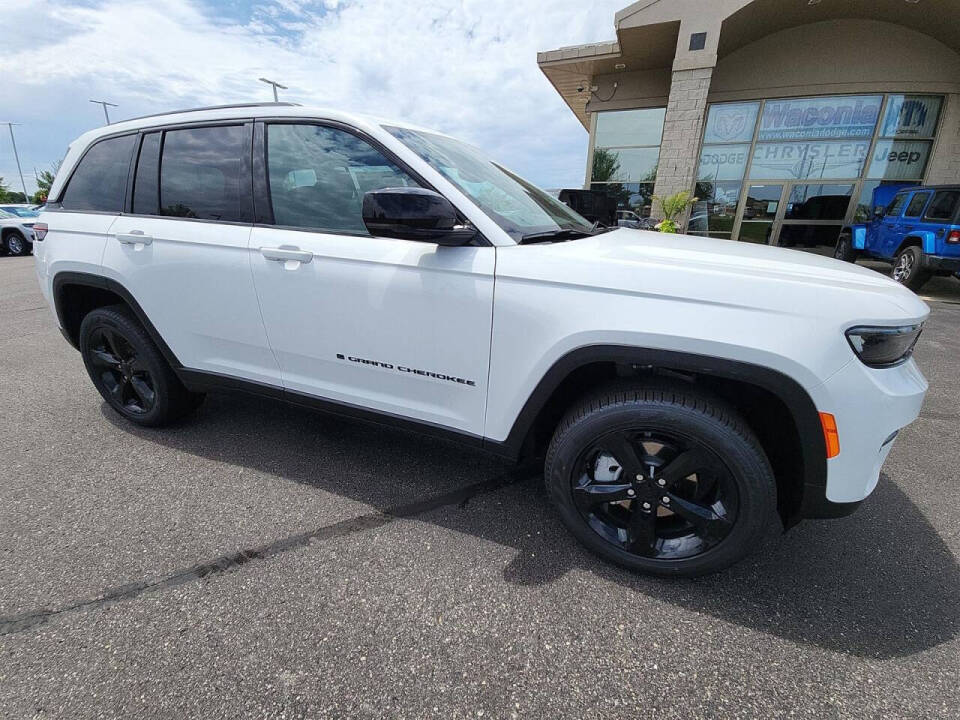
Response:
column 21, row 210
column 16, row 232
column 918, row 231
column 595, row 205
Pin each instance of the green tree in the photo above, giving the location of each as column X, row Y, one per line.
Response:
column 606, row 165
column 45, row 180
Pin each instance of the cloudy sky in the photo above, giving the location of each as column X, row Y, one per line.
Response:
column 466, row 67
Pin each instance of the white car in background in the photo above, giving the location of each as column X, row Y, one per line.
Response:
column 16, row 229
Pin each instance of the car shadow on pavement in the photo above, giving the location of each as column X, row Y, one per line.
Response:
column 881, row 583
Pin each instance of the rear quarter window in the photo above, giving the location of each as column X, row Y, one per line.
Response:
column 943, row 207
column 100, row 180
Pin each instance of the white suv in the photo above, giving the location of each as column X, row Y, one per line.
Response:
column 680, row 389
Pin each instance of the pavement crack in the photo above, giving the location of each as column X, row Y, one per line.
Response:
column 231, row 561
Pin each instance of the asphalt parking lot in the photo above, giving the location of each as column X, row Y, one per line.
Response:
column 265, row 561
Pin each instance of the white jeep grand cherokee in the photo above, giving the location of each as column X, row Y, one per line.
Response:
column 680, row 389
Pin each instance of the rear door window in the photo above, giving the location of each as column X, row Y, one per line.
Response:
column 100, row 180
column 943, row 207
column 146, row 184
column 896, row 207
column 203, row 174
column 917, row 204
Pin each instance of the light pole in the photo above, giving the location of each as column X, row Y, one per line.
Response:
column 104, row 104
column 26, row 198
column 275, row 86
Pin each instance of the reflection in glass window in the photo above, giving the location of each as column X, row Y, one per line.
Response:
column 809, row 160
column 723, row 162
column 911, row 116
column 625, row 164
column 852, row 116
column 630, row 128
column 715, row 210
column 818, row 202
column 318, row 176
column 899, row 159
column 731, row 122
column 200, row 172
column 943, row 208
column 631, row 197
column 917, row 204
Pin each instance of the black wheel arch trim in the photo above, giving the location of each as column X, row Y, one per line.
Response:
column 789, row 391
column 68, row 278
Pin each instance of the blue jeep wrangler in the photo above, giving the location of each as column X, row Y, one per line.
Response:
column 917, row 229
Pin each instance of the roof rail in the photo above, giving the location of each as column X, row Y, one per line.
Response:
column 214, row 107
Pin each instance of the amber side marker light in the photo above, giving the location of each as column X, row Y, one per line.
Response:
column 830, row 435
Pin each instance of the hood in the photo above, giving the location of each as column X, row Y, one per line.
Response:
column 716, row 271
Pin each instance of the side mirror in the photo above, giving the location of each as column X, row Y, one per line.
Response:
column 878, row 211
column 412, row 213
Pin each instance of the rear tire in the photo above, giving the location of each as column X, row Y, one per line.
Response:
column 661, row 478
column 129, row 370
column 908, row 268
column 845, row 250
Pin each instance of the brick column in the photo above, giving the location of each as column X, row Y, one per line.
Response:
column 945, row 163
column 682, row 130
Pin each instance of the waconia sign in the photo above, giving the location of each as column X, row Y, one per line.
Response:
column 821, row 118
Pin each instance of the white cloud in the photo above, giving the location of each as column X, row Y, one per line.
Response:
column 467, row 67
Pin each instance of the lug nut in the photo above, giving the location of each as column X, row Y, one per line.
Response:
column 666, row 499
column 631, row 492
column 639, row 477
column 661, row 482
column 646, row 506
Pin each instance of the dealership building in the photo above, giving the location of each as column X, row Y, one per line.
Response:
column 781, row 116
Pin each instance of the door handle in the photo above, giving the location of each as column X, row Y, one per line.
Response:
column 286, row 252
column 134, row 237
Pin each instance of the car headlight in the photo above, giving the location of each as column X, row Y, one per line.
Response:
column 883, row 347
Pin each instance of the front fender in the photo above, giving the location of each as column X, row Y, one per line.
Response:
column 859, row 235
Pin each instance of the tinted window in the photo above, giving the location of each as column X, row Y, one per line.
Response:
column 894, row 208
column 915, row 208
column 146, row 197
column 200, row 173
column 100, row 180
column 318, row 176
column 944, row 206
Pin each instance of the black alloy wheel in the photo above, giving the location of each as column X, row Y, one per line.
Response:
column 129, row 370
column 655, row 494
column 660, row 476
column 125, row 376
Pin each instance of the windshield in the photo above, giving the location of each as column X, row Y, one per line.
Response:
column 20, row 212
column 518, row 207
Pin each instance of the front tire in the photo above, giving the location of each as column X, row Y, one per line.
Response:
column 845, row 250
column 129, row 371
column 908, row 268
column 17, row 244
column 661, row 478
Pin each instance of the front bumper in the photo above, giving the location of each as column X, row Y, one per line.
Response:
column 871, row 407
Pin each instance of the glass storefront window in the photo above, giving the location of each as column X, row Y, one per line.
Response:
column 731, row 123
column 823, row 118
column 715, row 210
column 630, row 128
column 625, row 165
column 911, row 116
column 809, row 160
column 723, row 162
column 899, row 160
